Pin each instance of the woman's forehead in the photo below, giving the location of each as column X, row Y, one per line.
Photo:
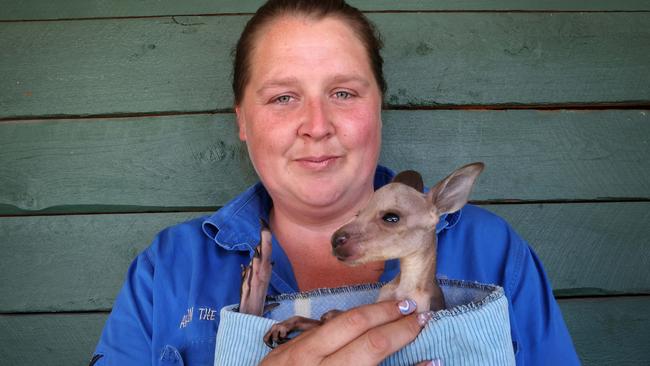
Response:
column 289, row 21
column 295, row 32
column 290, row 43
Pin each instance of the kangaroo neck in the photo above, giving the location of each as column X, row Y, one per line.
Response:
column 418, row 270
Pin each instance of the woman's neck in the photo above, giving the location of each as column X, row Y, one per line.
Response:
column 305, row 236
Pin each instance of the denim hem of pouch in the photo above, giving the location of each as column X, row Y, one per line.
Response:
column 493, row 293
column 473, row 330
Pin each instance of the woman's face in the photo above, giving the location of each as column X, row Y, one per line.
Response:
column 311, row 112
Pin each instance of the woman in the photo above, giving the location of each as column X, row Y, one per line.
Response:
column 308, row 88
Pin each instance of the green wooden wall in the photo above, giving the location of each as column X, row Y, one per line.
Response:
column 116, row 121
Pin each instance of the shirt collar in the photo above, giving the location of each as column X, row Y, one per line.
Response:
column 236, row 225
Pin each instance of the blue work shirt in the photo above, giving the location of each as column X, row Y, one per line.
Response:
column 167, row 311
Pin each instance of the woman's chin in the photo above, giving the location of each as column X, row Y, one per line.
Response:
column 321, row 197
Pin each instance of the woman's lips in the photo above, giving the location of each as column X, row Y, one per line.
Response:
column 318, row 162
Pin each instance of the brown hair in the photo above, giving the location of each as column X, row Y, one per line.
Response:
column 316, row 9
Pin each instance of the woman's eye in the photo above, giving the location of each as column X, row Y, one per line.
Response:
column 283, row 99
column 391, row 218
column 342, row 95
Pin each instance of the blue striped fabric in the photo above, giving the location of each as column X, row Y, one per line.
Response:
column 474, row 330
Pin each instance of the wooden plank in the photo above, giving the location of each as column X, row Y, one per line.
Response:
column 43, row 10
column 78, row 262
column 609, row 331
column 129, row 65
column 175, row 160
column 69, row 339
column 529, row 155
column 49, row 339
column 72, row 263
column 587, row 248
column 108, row 66
column 524, row 58
column 501, row 5
column 96, row 165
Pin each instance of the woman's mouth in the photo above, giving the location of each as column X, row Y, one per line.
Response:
column 318, row 162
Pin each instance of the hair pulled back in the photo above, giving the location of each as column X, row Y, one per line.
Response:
column 314, row 9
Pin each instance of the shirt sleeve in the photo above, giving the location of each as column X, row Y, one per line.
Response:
column 540, row 334
column 126, row 338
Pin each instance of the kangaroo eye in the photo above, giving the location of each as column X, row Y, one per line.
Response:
column 391, row 217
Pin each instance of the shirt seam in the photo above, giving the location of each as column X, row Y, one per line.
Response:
column 518, row 268
column 147, row 257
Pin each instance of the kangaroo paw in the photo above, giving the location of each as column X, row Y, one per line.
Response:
column 279, row 332
column 330, row 315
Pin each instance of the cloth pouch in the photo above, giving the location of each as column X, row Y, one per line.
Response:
column 473, row 330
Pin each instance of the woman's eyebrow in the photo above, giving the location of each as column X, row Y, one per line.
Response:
column 290, row 81
column 272, row 83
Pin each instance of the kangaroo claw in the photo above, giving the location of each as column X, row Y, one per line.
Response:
column 256, row 276
column 279, row 332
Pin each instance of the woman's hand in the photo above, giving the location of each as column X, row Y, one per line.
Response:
column 362, row 336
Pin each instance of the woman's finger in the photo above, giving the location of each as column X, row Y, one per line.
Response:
column 430, row 363
column 380, row 342
column 349, row 325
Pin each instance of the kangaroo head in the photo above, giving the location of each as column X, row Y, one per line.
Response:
column 400, row 220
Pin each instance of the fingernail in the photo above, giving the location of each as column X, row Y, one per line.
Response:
column 434, row 363
column 407, row 306
column 423, row 318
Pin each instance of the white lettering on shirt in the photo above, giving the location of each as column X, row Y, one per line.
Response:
column 205, row 313
column 187, row 317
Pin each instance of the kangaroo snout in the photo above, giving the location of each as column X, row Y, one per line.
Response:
column 339, row 238
column 344, row 247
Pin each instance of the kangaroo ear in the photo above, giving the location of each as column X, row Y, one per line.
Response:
column 452, row 193
column 411, row 178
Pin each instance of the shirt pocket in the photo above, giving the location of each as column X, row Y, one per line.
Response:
column 170, row 356
column 194, row 353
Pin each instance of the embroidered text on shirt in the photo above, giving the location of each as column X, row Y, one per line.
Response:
column 187, row 317
column 205, row 313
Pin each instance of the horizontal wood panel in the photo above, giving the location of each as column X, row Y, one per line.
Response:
column 40, row 9
column 78, row 262
column 72, row 263
column 49, row 339
column 166, row 161
column 107, row 66
column 529, row 155
column 96, row 165
column 609, row 331
column 587, row 248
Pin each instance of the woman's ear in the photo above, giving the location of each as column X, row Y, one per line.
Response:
column 240, row 123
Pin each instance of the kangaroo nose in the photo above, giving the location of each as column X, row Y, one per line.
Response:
column 339, row 239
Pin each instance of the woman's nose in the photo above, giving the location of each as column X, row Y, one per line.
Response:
column 316, row 123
